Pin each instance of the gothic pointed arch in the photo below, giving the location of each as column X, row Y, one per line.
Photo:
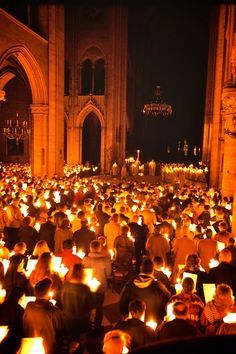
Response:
column 25, row 58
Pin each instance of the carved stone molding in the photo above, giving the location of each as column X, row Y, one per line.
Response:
column 2, row 95
column 41, row 109
column 94, row 102
column 233, row 61
column 229, row 101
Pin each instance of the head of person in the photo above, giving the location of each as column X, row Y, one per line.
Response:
column 78, row 272
column 115, row 218
column 84, row 223
column 115, row 341
column 26, row 221
column 65, row 224
column 209, row 233
column 137, row 308
column 223, row 226
column 40, row 248
column 42, row 289
column 188, row 285
column 20, row 248
column 192, row 262
column 180, row 310
column 95, row 246
column 223, row 297
column 158, row 262
column 225, row 256
column 44, row 263
column 67, row 244
column 232, row 241
column 146, row 266
column 124, row 230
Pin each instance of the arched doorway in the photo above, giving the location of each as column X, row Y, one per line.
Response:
column 91, row 140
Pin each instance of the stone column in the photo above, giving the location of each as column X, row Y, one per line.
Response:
column 38, row 139
column 229, row 118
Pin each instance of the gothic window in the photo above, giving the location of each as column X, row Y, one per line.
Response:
column 99, row 77
column 86, row 77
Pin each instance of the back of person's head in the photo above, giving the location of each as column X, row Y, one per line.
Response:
column 26, row 221
column 15, row 294
column 225, row 256
column 42, row 288
column 115, row 341
column 20, row 248
column 223, row 226
column 224, row 296
column 146, row 266
column 15, row 261
column 231, row 241
column 84, row 222
column 158, row 262
column 180, row 309
column 95, row 246
column 77, row 272
column 115, row 218
column 209, row 233
column 124, row 230
column 188, row 285
column 40, row 248
column 137, row 308
column 193, row 261
column 44, row 262
column 65, row 224
column 67, row 244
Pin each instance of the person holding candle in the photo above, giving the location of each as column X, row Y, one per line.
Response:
column 28, row 234
column 83, row 237
column 45, row 319
column 101, row 266
column 179, row 326
column 14, row 222
column 40, row 248
column 15, row 276
column 139, row 332
column 77, row 303
column 215, row 310
column 47, row 232
column 147, row 288
column 62, row 233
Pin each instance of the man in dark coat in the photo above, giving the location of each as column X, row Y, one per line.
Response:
column 47, row 233
column 41, row 317
column 83, row 237
column 139, row 332
column 146, row 288
column 28, row 234
column 178, row 327
column 225, row 272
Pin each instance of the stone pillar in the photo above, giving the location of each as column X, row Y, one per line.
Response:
column 229, row 162
column 38, row 139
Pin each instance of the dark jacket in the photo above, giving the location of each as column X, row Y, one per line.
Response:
column 223, row 273
column 30, row 236
column 47, row 321
column 77, row 302
column 82, row 238
column 146, row 288
column 175, row 329
column 139, row 332
column 47, row 233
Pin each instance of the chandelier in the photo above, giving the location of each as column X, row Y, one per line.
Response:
column 16, row 130
column 157, row 107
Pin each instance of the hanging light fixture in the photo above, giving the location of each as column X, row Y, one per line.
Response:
column 157, row 107
column 16, row 130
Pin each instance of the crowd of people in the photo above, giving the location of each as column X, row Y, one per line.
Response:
column 166, row 249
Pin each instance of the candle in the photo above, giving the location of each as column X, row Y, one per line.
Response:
column 94, row 284
column 81, row 254
column 152, row 324
column 3, row 332
column 2, row 295
column 230, row 318
column 112, row 253
column 213, row 263
column 31, row 346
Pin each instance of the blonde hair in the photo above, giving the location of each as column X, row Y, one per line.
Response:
column 224, row 296
column 114, row 342
column 40, row 248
